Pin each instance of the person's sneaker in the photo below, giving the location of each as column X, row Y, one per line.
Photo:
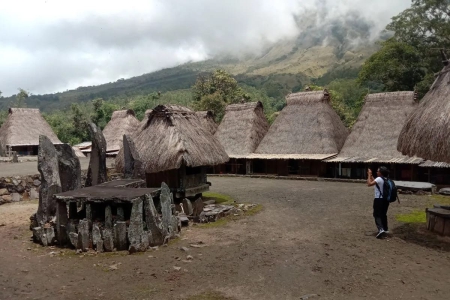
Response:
column 381, row 234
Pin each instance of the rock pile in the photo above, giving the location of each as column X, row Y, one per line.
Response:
column 18, row 188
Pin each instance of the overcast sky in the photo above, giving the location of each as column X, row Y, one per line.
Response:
column 54, row 45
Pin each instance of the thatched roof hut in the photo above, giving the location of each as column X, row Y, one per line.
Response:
column 207, row 120
column 426, row 133
column 307, row 128
column 242, row 128
column 122, row 122
column 23, row 127
column 374, row 136
column 172, row 137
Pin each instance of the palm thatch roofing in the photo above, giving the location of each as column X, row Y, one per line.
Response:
column 207, row 120
column 122, row 122
column 78, row 152
column 374, row 136
column 434, row 164
column 23, row 127
column 242, row 128
column 173, row 136
column 426, row 133
column 307, row 128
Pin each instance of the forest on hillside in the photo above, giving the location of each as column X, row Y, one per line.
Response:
column 407, row 60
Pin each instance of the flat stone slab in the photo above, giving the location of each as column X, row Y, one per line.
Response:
column 441, row 212
column 414, row 185
column 445, row 191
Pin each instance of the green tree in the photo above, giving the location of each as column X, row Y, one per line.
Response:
column 215, row 91
column 408, row 60
column 3, row 116
column 21, row 98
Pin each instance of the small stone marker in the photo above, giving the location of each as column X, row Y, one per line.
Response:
column 187, row 207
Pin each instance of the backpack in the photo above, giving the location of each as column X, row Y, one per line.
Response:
column 389, row 192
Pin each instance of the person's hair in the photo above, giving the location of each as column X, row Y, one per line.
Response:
column 384, row 171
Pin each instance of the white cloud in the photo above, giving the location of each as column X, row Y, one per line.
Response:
column 49, row 46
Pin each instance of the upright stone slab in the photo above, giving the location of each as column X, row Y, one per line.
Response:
column 97, row 238
column 166, row 199
column 198, row 207
column 187, row 207
column 153, row 222
column 62, row 224
column 69, row 168
column 50, row 182
column 97, row 164
column 83, row 235
column 136, row 235
column 133, row 167
column 120, row 235
column 108, row 240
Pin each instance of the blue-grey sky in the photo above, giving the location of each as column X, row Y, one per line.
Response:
column 48, row 46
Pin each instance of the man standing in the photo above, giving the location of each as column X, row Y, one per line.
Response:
column 380, row 205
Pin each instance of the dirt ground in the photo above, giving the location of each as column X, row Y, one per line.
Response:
column 312, row 240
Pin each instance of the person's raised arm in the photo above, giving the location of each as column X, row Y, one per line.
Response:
column 370, row 180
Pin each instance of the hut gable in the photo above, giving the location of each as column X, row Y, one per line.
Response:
column 307, row 128
column 375, row 133
column 242, row 128
column 122, row 122
column 23, row 127
column 207, row 120
column 426, row 133
column 173, row 136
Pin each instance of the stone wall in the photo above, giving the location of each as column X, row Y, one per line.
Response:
column 18, row 188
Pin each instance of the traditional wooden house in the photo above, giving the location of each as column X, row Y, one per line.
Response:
column 207, row 120
column 373, row 140
column 426, row 132
column 240, row 132
column 20, row 132
column 174, row 148
column 122, row 122
column 306, row 132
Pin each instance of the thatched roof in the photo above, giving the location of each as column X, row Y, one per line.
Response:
column 307, row 128
column 78, row 152
column 174, row 136
column 242, row 128
column 23, row 127
column 207, row 120
column 426, row 133
column 122, row 122
column 375, row 133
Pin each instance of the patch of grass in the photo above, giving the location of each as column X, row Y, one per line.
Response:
column 416, row 216
column 209, row 296
column 217, row 223
column 440, row 199
column 219, row 198
column 419, row 216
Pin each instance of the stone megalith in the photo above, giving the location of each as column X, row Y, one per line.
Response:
column 97, row 164
column 50, row 182
column 69, row 168
column 132, row 162
column 169, row 229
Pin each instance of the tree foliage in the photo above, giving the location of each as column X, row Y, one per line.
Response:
column 215, row 91
column 408, row 60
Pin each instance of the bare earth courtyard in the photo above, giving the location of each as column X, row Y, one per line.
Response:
column 311, row 240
